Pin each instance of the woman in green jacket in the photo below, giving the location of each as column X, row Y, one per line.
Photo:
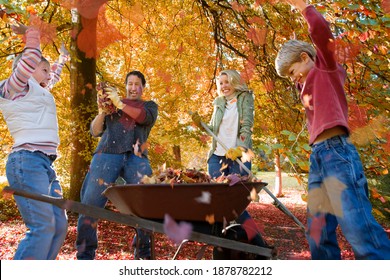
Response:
column 232, row 123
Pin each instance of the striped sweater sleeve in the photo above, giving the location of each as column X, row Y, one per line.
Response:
column 17, row 85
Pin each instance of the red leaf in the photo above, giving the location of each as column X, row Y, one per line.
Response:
column 316, row 227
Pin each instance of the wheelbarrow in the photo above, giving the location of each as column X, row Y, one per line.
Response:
column 144, row 206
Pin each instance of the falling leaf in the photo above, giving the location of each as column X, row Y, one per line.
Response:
column 250, row 228
column 238, row 7
column 57, row 191
column 7, row 195
column 89, row 9
column 205, row 198
column 386, row 6
column 223, row 167
column 247, row 156
column 148, row 180
column 249, row 68
column 86, row 39
column 31, row 10
column 254, row 195
column 176, row 232
column 210, row 219
column 257, row 36
column 327, row 198
column 346, row 52
column 316, row 227
column 136, row 149
column 159, row 149
column 233, row 179
column 47, row 30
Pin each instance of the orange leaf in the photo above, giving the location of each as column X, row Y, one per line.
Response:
column 257, row 35
column 89, row 9
column 210, row 219
column 238, row 7
column 47, row 30
column 386, row 6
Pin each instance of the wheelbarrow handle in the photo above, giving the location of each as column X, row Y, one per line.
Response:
column 278, row 203
column 137, row 222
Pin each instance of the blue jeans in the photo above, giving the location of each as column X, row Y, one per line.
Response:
column 334, row 163
column 47, row 224
column 215, row 164
column 105, row 170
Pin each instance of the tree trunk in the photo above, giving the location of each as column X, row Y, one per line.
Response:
column 177, row 156
column 278, row 176
column 84, row 108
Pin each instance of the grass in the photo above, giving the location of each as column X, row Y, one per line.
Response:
column 288, row 182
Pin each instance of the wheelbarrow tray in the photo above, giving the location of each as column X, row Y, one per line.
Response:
column 183, row 201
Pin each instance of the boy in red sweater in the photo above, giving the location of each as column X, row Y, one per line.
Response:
column 338, row 192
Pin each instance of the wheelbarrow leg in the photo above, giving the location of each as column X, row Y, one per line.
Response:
column 152, row 245
column 199, row 255
column 179, row 248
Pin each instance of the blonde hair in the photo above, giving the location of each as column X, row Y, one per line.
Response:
column 235, row 81
column 290, row 53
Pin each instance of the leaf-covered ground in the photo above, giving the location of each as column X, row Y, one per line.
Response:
column 114, row 239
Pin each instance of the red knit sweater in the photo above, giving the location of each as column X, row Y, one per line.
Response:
column 325, row 81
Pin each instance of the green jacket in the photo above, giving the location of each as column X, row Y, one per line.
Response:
column 245, row 107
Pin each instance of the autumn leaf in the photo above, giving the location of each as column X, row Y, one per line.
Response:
column 250, row 228
column 346, row 52
column 357, row 115
column 254, row 196
column 233, row 179
column 205, row 198
column 247, row 155
column 386, row 6
column 159, row 149
column 386, row 146
column 249, row 69
column 238, row 7
column 210, row 219
column 86, row 39
column 327, row 197
column 258, row 36
column 89, row 9
column 47, row 30
column 104, row 28
column 135, row 14
column 176, row 232
column 316, row 227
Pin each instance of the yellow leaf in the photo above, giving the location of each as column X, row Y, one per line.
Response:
column 379, row 213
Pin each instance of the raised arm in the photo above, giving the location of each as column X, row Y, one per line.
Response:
column 57, row 66
column 25, row 64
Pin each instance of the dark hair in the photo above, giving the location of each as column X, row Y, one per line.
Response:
column 138, row 74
